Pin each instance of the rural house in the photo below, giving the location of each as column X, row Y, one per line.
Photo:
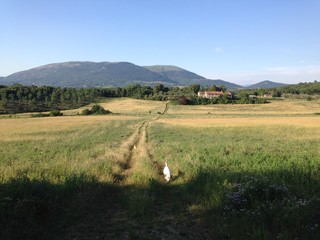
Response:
column 267, row 95
column 214, row 94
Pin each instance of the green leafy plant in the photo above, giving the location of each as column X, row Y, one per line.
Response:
column 95, row 110
column 55, row 113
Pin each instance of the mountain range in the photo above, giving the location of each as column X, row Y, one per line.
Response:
column 113, row 74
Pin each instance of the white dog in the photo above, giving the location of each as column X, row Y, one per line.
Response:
column 166, row 172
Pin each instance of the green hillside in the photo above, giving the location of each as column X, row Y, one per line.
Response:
column 108, row 74
column 185, row 77
column 175, row 73
column 266, row 84
column 86, row 74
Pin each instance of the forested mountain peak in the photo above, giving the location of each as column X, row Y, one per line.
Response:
column 84, row 74
column 115, row 74
column 267, row 84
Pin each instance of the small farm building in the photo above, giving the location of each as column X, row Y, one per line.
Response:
column 214, row 94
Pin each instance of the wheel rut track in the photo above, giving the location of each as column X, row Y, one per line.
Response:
column 105, row 220
column 136, row 147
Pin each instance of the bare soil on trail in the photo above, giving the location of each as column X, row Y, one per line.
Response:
column 134, row 148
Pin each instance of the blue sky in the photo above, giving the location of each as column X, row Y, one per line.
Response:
column 241, row 41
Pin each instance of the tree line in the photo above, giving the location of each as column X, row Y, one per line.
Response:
column 18, row 98
column 309, row 88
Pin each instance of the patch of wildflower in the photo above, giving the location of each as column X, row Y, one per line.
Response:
column 273, row 205
column 242, row 197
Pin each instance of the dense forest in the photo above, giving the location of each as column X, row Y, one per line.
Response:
column 18, row 98
column 302, row 88
column 310, row 88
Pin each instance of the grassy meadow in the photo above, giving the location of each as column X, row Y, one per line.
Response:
column 238, row 172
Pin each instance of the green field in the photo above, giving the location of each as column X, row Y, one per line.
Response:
column 238, row 172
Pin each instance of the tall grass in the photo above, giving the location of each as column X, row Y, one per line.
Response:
column 48, row 178
column 235, row 174
column 252, row 182
column 58, row 154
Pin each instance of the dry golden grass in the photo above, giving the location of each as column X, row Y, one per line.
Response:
column 269, row 143
column 127, row 106
column 19, row 128
column 287, row 112
column 275, row 107
column 133, row 106
column 252, row 121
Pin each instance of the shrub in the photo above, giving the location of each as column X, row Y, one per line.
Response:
column 96, row 110
column 55, row 113
column 86, row 112
column 184, row 101
column 40, row 115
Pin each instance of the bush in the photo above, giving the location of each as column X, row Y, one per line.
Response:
column 86, row 112
column 55, row 113
column 184, row 100
column 40, row 115
column 95, row 110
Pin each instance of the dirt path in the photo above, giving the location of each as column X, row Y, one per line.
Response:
column 107, row 218
column 110, row 215
column 135, row 147
column 164, row 112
